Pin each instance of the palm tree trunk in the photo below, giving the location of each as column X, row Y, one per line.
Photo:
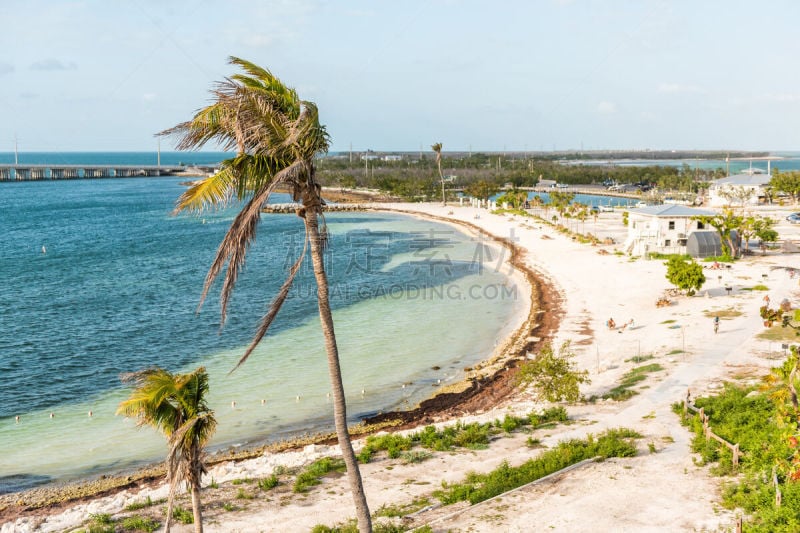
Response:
column 339, row 406
column 196, row 511
column 168, row 520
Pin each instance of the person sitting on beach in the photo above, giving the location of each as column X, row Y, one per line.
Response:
column 610, row 323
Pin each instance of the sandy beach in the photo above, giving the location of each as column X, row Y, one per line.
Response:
column 660, row 490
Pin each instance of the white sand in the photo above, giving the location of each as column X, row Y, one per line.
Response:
column 662, row 491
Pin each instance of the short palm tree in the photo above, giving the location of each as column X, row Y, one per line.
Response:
column 276, row 136
column 175, row 404
column 438, row 149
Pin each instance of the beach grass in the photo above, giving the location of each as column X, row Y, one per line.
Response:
column 479, row 487
column 624, row 390
column 313, row 473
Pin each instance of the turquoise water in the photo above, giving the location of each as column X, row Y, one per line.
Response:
column 100, row 279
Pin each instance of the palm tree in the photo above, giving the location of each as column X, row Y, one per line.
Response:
column 438, row 149
column 175, row 404
column 276, row 136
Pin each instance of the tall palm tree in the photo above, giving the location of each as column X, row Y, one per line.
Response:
column 175, row 404
column 438, row 149
column 276, row 136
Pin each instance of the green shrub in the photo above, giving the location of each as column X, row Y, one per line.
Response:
column 414, row 456
column 268, row 483
column 139, row 523
column 312, row 474
column 184, row 516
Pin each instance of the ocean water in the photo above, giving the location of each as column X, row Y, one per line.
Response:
column 100, row 279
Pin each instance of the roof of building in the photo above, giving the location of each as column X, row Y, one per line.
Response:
column 744, row 179
column 672, row 210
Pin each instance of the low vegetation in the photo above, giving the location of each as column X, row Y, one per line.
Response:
column 315, row 471
column 764, row 424
column 624, row 390
column 479, row 487
column 471, row 436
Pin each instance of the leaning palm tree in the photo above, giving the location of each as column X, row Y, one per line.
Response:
column 276, row 136
column 438, row 149
column 175, row 404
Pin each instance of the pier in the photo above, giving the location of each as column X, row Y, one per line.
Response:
column 21, row 172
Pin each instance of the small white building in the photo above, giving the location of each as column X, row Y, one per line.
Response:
column 748, row 188
column 662, row 228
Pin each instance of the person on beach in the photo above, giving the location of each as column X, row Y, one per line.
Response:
column 716, row 324
column 610, row 323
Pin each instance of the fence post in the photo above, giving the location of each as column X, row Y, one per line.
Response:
column 778, row 495
column 739, row 525
column 685, row 408
column 735, row 450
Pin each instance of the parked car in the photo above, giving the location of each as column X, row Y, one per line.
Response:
column 794, row 218
column 606, row 208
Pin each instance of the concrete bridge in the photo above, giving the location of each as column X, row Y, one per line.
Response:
column 20, row 172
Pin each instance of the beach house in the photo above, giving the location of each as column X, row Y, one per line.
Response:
column 662, row 228
column 747, row 188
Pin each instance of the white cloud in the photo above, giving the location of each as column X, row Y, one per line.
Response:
column 606, row 108
column 680, row 88
column 53, row 64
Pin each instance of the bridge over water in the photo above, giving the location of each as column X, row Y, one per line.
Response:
column 20, row 172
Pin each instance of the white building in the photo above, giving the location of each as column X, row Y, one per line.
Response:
column 743, row 189
column 662, row 228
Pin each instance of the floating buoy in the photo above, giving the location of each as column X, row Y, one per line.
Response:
column 90, row 414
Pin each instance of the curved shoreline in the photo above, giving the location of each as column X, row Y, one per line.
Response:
column 493, row 382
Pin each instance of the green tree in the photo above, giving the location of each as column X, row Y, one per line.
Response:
column 560, row 201
column 686, row 275
column 481, row 190
column 554, row 376
column 725, row 224
column 438, row 149
column 787, row 182
column 175, row 404
column 276, row 136
column 515, row 198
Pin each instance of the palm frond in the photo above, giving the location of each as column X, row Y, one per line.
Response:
column 275, row 306
column 211, row 191
column 236, row 242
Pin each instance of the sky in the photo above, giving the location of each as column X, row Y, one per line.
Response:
column 106, row 75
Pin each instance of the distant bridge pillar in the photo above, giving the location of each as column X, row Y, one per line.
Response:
column 5, row 174
column 56, row 173
column 37, row 173
column 22, row 173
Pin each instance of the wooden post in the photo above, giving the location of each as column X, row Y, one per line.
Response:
column 778, row 495
column 739, row 525
column 685, row 408
column 735, row 451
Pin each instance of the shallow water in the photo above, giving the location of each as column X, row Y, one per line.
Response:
column 116, row 287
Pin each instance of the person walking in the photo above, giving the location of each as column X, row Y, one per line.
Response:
column 716, row 324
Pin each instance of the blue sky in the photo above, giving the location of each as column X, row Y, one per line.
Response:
column 393, row 75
